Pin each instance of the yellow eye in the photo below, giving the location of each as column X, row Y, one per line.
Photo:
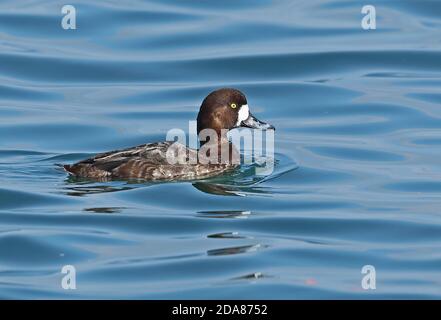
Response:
column 233, row 105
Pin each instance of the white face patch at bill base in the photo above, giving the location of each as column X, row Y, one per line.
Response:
column 243, row 114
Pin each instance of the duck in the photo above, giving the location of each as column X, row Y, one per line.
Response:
column 221, row 111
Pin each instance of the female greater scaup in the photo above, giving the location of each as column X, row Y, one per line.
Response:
column 221, row 110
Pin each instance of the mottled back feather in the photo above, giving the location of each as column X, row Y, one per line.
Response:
column 146, row 162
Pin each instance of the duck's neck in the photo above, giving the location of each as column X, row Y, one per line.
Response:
column 220, row 151
column 219, row 140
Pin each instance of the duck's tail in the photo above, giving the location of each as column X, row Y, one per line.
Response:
column 65, row 167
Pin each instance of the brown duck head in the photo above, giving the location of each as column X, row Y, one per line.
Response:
column 227, row 108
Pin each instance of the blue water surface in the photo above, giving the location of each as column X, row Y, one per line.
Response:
column 358, row 146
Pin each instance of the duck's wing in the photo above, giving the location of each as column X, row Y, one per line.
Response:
column 148, row 161
column 104, row 164
column 166, row 161
column 155, row 153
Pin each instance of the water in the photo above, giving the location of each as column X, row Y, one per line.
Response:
column 358, row 144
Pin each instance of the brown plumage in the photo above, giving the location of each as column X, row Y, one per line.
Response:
column 221, row 109
column 145, row 162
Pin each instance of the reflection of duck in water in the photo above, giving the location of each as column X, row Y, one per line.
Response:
column 221, row 110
